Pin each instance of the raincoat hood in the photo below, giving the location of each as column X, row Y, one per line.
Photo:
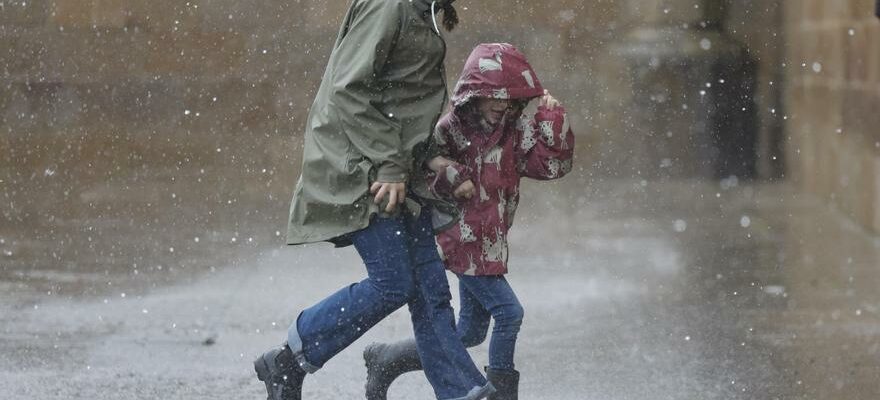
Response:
column 498, row 71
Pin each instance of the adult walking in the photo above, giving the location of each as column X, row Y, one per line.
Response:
column 362, row 183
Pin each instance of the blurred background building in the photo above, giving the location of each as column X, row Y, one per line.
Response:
column 97, row 94
column 717, row 239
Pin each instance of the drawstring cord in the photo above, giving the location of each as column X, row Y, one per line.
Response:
column 434, row 16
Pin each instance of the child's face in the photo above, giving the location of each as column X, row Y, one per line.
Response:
column 492, row 110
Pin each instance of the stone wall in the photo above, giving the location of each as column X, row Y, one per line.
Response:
column 174, row 77
column 833, row 97
column 176, row 80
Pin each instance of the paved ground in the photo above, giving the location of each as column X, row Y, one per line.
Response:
column 632, row 290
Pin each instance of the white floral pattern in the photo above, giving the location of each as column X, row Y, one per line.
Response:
column 527, row 75
column 460, row 141
column 512, row 204
column 554, row 167
column 488, row 64
column 528, row 137
column 494, row 157
column 497, row 250
column 567, row 166
column 547, row 132
column 472, row 266
column 502, row 205
column 467, row 233
column 526, row 125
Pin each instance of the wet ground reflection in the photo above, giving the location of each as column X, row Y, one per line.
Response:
column 632, row 290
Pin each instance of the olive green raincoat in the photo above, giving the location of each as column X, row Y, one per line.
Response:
column 379, row 100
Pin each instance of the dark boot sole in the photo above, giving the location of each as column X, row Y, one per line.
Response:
column 373, row 390
column 264, row 374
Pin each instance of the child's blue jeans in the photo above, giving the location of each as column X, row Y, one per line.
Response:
column 403, row 267
column 484, row 298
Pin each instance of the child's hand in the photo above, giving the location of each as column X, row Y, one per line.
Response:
column 439, row 163
column 465, row 190
column 549, row 101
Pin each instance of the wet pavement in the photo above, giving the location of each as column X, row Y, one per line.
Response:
column 165, row 286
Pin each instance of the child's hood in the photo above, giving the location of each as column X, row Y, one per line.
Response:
column 496, row 70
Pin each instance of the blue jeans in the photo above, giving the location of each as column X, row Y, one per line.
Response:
column 483, row 298
column 403, row 267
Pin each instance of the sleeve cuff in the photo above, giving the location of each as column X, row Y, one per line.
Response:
column 456, row 174
column 447, row 181
column 390, row 172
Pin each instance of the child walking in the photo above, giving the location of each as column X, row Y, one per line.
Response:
column 503, row 126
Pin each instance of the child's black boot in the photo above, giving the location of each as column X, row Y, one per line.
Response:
column 505, row 381
column 385, row 362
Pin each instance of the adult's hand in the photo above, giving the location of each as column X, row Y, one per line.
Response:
column 396, row 192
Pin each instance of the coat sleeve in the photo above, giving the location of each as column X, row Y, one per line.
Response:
column 443, row 184
column 545, row 143
column 369, row 36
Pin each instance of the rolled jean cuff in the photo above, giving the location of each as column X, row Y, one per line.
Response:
column 478, row 392
column 296, row 346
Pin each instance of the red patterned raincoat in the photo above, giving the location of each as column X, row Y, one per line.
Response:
column 535, row 142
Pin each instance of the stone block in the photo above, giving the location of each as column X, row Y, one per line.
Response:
column 814, row 10
column 96, row 55
column 812, row 46
column 875, row 203
column 825, row 166
column 24, row 13
column 863, row 188
column 847, row 180
column 72, row 14
column 861, row 115
column 22, row 53
column 795, row 100
column 224, row 15
column 794, row 13
column 320, row 13
column 195, row 54
column 801, row 155
column 821, row 108
column 836, row 11
column 830, row 55
column 872, row 54
column 858, row 180
column 861, row 10
column 858, row 54
column 91, row 13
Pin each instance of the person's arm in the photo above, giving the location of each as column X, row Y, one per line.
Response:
column 368, row 39
column 546, row 143
column 449, row 178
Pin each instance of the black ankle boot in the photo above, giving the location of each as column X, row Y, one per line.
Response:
column 506, row 382
column 278, row 369
column 385, row 362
